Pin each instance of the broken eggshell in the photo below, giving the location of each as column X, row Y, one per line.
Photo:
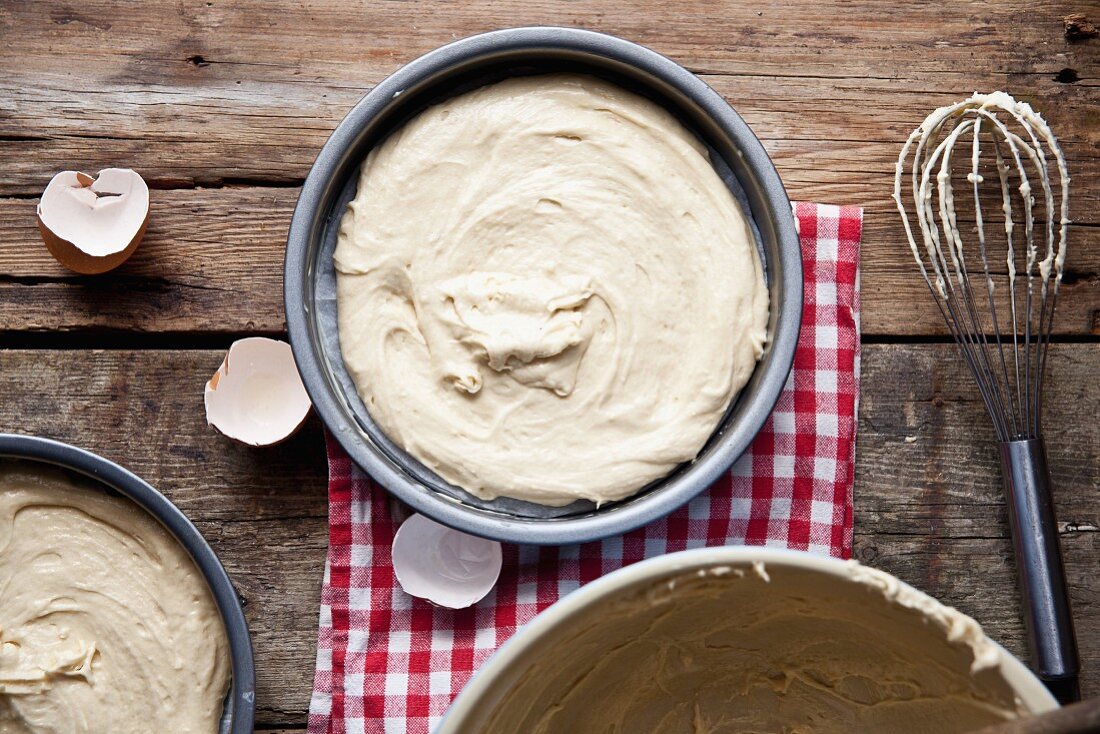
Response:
column 256, row 396
column 447, row 567
column 91, row 225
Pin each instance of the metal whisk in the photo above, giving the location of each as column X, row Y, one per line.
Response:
column 999, row 308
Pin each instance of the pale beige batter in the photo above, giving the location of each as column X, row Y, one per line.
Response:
column 105, row 623
column 546, row 292
column 762, row 651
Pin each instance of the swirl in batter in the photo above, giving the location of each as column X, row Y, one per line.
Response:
column 105, row 623
column 757, row 650
column 546, row 292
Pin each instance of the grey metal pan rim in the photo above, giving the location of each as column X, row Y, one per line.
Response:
column 466, row 64
column 240, row 703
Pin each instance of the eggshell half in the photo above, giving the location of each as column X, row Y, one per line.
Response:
column 445, row 566
column 92, row 225
column 256, row 396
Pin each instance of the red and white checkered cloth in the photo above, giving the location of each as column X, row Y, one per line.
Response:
column 387, row 662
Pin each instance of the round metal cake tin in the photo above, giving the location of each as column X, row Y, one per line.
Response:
column 476, row 703
column 451, row 70
column 239, row 711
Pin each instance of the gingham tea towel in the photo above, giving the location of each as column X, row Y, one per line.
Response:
column 387, row 662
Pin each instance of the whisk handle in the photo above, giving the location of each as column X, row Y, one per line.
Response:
column 1039, row 564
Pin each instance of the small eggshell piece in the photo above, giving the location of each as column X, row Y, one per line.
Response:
column 447, row 567
column 256, row 396
column 92, row 225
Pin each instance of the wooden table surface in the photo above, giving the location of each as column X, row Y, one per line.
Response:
column 223, row 105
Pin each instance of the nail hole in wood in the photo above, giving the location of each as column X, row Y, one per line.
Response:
column 1067, row 76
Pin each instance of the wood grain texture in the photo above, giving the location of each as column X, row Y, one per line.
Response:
column 242, row 95
column 263, row 511
column 212, row 261
column 223, row 105
column 928, row 491
column 204, row 91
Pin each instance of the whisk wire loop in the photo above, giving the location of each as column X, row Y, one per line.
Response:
column 1008, row 364
column 1011, row 385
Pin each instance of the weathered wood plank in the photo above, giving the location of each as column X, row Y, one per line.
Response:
column 145, row 410
column 210, row 93
column 277, row 567
column 325, row 32
column 263, row 510
column 928, row 493
column 215, row 96
column 928, row 502
column 221, row 95
column 830, row 140
column 212, row 261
